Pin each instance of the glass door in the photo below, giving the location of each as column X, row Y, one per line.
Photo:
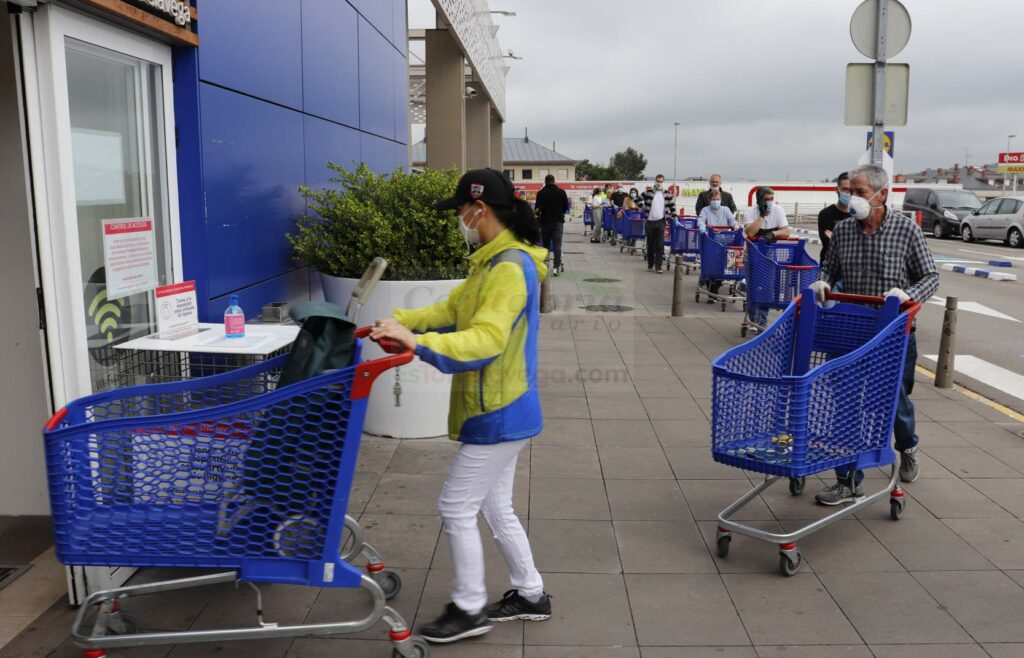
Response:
column 101, row 116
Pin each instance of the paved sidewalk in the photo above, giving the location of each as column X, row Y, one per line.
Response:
column 620, row 495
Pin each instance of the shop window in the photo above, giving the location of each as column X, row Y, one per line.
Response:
column 527, row 174
column 511, row 173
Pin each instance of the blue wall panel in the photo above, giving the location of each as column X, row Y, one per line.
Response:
column 378, row 154
column 254, row 46
column 253, row 164
column 401, row 22
column 401, row 99
column 328, row 142
column 330, row 60
column 291, row 287
column 380, row 14
column 376, row 83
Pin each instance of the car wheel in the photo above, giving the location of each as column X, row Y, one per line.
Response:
column 966, row 233
column 1015, row 239
column 937, row 231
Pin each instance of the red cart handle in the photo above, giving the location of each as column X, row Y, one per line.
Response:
column 799, row 267
column 368, row 371
column 55, row 419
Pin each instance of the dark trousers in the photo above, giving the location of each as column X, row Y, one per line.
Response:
column 655, row 242
column 905, row 426
column 551, row 235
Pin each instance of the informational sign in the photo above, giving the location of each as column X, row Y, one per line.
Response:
column 890, row 137
column 864, row 28
column 177, row 314
column 860, row 94
column 1011, row 163
column 129, row 256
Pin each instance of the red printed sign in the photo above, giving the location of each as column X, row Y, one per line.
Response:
column 129, row 256
column 177, row 313
column 1011, row 158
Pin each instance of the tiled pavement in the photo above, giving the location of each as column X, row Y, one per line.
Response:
column 619, row 495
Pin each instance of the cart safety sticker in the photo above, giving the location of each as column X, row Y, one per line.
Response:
column 734, row 259
column 328, row 572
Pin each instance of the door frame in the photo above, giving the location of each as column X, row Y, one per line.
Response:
column 47, row 114
column 53, row 174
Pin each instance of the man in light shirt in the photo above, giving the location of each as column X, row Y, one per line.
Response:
column 715, row 215
column 660, row 205
column 767, row 219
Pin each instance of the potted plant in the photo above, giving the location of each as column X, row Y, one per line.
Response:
column 368, row 215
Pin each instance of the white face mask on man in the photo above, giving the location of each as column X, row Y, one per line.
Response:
column 471, row 235
column 861, row 207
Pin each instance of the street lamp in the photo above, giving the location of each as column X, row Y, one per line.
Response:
column 503, row 13
column 1009, row 139
column 510, row 55
column 675, row 155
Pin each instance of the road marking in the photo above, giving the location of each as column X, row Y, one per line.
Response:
column 954, row 259
column 988, row 373
column 989, row 253
column 1003, row 409
column 981, row 274
column 974, row 307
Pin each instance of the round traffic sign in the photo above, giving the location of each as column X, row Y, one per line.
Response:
column 864, row 28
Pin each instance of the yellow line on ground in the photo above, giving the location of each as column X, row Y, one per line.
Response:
column 1003, row 409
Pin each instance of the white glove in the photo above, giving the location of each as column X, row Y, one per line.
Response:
column 898, row 294
column 821, row 290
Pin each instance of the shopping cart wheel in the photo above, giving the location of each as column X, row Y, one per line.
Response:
column 696, row 297
column 796, row 485
column 418, row 647
column 390, row 582
column 789, row 567
column 743, row 333
column 128, row 625
column 896, row 508
column 723, row 307
column 723, row 545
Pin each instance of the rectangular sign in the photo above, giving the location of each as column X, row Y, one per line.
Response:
column 1011, row 163
column 860, row 94
column 129, row 256
column 177, row 313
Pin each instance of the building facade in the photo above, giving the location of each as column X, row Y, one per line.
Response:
column 524, row 161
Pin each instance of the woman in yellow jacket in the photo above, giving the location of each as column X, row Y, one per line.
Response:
column 486, row 334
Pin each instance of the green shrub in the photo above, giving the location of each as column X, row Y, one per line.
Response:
column 391, row 216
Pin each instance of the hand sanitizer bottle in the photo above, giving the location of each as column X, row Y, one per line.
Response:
column 234, row 319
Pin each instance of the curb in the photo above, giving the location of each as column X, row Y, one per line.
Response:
column 982, row 274
column 1001, row 263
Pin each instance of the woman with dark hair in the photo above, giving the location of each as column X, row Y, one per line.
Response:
column 486, row 334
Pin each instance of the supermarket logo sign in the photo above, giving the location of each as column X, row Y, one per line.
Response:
column 178, row 10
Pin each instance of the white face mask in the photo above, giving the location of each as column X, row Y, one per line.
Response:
column 657, row 185
column 471, row 235
column 861, row 207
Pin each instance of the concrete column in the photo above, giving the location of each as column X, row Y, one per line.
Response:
column 478, row 132
column 446, row 107
column 497, row 143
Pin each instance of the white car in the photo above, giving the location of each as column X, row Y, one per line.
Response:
column 998, row 219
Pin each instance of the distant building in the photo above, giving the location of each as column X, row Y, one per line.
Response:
column 984, row 180
column 525, row 160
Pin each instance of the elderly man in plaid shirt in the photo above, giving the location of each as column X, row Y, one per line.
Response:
column 883, row 254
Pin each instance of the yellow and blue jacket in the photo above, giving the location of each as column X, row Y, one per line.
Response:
column 485, row 333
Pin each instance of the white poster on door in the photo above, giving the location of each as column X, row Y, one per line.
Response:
column 177, row 314
column 129, row 256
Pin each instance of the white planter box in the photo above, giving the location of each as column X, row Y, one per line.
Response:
column 425, row 390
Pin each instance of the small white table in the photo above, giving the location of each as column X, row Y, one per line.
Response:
column 151, row 360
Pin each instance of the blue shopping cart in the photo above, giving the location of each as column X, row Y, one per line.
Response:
column 721, row 260
column 588, row 218
column 815, row 391
column 684, row 240
column 633, row 234
column 776, row 273
column 608, row 223
column 230, row 472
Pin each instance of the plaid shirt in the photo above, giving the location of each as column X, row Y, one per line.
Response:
column 894, row 256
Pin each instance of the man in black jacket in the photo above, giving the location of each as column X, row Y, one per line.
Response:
column 837, row 212
column 551, row 205
column 704, row 198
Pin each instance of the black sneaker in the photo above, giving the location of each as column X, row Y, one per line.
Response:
column 455, row 624
column 513, row 606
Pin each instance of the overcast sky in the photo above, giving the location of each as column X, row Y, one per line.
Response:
column 757, row 85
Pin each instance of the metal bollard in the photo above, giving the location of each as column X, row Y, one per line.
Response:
column 947, row 347
column 547, row 302
column 677, row 289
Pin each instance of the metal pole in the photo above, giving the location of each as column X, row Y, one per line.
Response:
column 878, row 128
column 947, row 347
column 677, row 289
column 675, row 156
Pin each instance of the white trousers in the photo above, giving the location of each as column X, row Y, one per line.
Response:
column 480, row 480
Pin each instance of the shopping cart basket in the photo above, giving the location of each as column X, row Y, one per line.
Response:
column 815, row 391
column 608, row 223
column 588, row 219
column 633, row 235
column 721, row 260
column 228, row 471
column 776, row 273
column 684, row 241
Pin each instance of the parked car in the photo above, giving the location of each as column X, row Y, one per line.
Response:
column 942, row 210
column 999, row 219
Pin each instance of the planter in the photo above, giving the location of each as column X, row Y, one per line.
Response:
column 425, row 391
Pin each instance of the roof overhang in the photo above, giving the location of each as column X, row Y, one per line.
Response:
column 470, row 24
